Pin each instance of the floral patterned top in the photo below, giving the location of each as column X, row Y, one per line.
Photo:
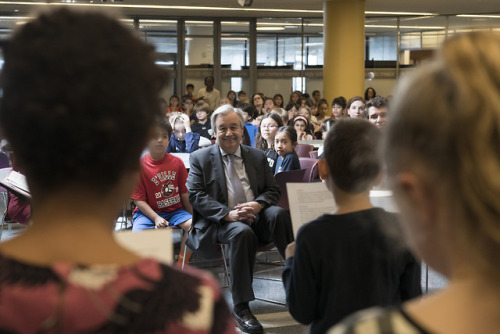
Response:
column 147, row 297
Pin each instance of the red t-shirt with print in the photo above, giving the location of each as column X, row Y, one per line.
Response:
column 161, row 183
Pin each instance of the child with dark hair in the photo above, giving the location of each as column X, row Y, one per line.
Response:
column 301, row 126
column 285, row 142
column 344, row 262
column 174, row 104
column 249, row 113
column 339, row 105
column 67, row 273
column 160, row 196
column 189, row 92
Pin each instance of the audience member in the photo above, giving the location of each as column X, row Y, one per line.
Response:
column 202, row 125
column 231, row 95
column 265, row 138
column 160, row 196
column 442, row 158
column 370, row 93
column 242, row 97
column 189, row 92
column 183, row 140
column 249, row 113
column 344, row 262
column 356, row 107
column 233, row 193
column 268, row 105
column 301, row 126
column 376, row 110
column 278, row 101
column 90, row 87
column 292, row 110
column 316, row 95
column 188, row 107
column 224, row 100
column 174, row 104
column 285, row 142
column 294, row 99
column 320, row 112
column 339, row 105
column 258, row 102
column 210, row 94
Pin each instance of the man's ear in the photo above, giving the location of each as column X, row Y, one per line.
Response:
column 324, row 170
column 418, row 195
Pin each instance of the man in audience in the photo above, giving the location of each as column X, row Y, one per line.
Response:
column 377, row 111
column 233, row 193
column 210, row 94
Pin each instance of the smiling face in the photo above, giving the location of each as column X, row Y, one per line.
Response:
column 377, row 116
column 228, row 132
column 357, row 109
column 283, row 144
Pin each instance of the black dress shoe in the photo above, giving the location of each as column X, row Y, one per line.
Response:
column 247, row 322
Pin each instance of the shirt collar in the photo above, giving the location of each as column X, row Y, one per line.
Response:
column 237, row 153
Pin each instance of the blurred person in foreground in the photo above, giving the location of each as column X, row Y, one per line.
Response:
column 80, row 96
column 443, row 163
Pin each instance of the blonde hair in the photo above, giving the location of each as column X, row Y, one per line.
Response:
column 445, row 127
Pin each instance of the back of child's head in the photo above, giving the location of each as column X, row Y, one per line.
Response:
column 78, row 104
column 352, row 154
column 289, row 131
column 201, row 105
column 189, row 85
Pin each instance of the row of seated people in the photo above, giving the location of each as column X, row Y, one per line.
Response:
column 309, row 126
column 68, row 274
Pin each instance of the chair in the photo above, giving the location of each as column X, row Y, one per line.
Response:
column 311, row 166
column 282, row 179
column 313, row 154
column 303, row 150
column 4, row 197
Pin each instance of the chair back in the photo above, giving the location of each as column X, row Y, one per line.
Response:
column 282, row 179
column 311, row 166
column 303, row 150
column 4, row 160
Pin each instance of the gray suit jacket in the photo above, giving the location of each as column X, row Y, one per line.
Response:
column 207, row 188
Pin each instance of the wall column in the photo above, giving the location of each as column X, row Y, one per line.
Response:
column 344, row 48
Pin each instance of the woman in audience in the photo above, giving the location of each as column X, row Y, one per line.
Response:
column 294, row 99
column 258, row 102
column 320, row 112
column 356, row 107
column 90, row 87
column 231, row 95
column 278, row 100
column 265, row 138
column 370, row 93
column 443, row 163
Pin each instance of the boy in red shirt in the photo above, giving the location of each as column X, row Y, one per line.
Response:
column 161, row 196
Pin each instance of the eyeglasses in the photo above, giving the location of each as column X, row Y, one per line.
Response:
column 268, row 126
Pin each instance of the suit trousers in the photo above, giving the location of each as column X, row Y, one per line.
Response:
column 273, row 224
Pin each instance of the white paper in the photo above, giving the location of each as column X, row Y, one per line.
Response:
column 184, row 157
column 155, row 243
column 308, row 201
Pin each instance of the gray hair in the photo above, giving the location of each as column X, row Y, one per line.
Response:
column 225, row 110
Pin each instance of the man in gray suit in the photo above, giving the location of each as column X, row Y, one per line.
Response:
column 233, row 194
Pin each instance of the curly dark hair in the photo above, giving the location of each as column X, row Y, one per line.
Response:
column 80, row 94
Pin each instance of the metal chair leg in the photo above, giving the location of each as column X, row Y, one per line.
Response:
column 226, row 271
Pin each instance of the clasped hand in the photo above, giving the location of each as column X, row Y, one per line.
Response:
column 244, row 212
